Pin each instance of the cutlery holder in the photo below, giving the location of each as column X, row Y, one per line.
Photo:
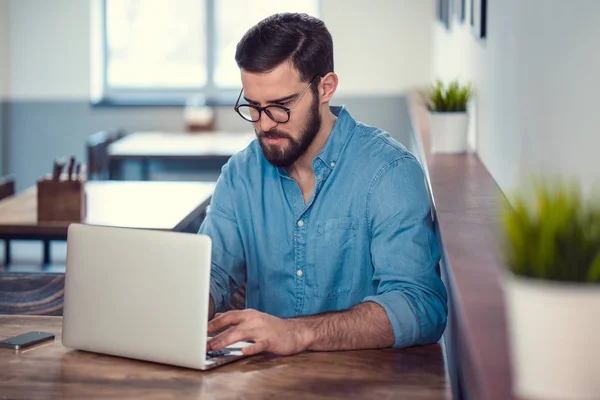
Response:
column 61, row 200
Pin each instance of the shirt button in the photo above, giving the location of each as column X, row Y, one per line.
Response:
column 332, row 164
column 299, row 273
column 300, row 223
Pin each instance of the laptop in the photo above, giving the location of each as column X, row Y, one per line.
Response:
column 140, row 294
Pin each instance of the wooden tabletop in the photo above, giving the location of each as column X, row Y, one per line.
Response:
column 53, row 371
column 150, row 205
column 179, row 145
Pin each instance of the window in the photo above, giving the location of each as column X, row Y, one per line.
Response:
column 165, row 51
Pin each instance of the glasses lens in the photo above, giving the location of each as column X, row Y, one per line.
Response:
column 277, row 114
column 248, row 113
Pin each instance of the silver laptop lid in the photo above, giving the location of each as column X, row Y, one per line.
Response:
column 137, row 293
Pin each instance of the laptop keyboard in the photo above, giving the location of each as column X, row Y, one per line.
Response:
column 216, row 353
column 235, row 350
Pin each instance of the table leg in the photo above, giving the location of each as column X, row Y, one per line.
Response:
column 46, row 252
column 145, row 165
column 7, row 255
column 115, row 169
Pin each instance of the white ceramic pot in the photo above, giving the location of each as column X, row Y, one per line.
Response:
column 553, row 336
column 448, row 131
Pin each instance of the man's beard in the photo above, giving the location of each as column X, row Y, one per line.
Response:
column 286, row 155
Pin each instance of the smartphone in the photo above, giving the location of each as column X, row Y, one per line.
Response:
column 25, row 340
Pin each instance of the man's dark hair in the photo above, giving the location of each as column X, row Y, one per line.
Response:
column 299, row 38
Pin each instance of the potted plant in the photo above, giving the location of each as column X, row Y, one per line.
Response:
column 448, row 118
column 552, row 249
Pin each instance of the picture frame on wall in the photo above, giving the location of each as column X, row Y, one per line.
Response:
column 443, row 13
column 459, row 10
column 478, row 19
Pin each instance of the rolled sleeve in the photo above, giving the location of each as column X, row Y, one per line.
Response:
column 401, row 316
column 228, row 270
column 405, row 255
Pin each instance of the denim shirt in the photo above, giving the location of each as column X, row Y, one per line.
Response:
column 365, row 234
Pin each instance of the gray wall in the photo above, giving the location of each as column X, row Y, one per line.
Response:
column 39, row 131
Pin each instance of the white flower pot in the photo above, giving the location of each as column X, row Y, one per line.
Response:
column 553, row 338
column 449, row 131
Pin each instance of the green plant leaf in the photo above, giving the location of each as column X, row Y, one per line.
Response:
column 551, row 232
column 594, row 272
column 449, row 98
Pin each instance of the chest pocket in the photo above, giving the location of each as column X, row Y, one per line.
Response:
column 335, row 258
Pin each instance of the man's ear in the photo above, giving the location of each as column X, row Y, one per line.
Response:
column 327, row 87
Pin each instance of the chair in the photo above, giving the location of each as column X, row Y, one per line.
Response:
column 97, row 153
column 7, row 188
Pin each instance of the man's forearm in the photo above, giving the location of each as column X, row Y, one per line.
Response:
column 365, row 326
column 211, row 308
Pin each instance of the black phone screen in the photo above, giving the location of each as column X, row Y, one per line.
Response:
column 26, row 340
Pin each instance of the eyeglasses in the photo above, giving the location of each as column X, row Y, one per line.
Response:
column 279, row 114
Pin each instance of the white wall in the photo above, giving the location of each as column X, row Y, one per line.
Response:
column 561, row 85
column 49, row 44
column 3, row 49
column 536, row 76
column 3, row 76
column 381, row 46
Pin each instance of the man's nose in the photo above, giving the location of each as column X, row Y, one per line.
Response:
column 266, row 123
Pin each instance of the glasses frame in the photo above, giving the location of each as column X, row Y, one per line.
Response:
column 260, row 109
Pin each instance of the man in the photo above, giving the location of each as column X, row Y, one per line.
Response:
column 327, row 220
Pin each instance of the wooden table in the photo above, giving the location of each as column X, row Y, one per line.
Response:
column 177, row 206
column 53, row 371
column 160, row 146
column 150, row 205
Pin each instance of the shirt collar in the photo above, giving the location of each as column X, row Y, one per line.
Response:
column 342, row 129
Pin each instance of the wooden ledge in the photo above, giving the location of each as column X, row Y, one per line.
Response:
column 467, row 202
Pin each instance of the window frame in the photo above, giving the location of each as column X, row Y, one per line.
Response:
column 104, row 94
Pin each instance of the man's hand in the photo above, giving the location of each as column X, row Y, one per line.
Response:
column 269, row 333
column 365, row 326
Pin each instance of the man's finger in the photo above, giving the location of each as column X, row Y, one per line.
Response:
column 256, row 348
column 230, row 336
column 225, row 319
column 214, row 342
